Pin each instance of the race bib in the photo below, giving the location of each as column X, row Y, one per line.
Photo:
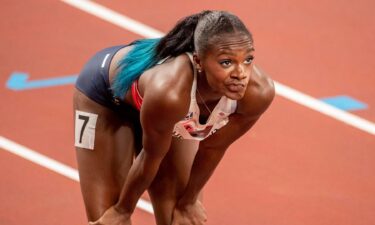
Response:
column 85, row 124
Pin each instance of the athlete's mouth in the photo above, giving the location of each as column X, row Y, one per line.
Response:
column 235, row 87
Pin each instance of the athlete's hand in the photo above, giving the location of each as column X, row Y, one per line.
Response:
column 112, row 217
column 194, row 214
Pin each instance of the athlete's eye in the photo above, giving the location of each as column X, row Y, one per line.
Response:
column 249, row 60
column 226, row 63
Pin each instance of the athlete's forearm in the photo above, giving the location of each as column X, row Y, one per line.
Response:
column 210, row 152
column 204, row 164
column 140, row 176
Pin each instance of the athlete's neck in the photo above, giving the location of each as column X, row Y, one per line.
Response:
column 207, row 93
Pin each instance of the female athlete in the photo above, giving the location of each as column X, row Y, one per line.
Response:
column 159, row 114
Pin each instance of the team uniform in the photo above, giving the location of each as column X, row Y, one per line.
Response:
column 93, row 81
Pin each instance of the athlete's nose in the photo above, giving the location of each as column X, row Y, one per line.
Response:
column 239, row 72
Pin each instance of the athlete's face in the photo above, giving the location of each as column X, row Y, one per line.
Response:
column 227, row 64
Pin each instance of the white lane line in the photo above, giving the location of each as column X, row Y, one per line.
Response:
column 324, row 108
column 114, row 17
column 281, row 89
column 53, row 165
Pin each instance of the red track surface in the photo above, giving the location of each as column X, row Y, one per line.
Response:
column 295, row 167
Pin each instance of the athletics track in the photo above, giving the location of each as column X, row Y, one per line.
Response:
column 305, row 162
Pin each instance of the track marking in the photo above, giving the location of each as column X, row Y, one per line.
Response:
column 53, row 165
column 345, row 103
column 19, row 81
column 324, row 108
column 114, row 17
column 281, row 89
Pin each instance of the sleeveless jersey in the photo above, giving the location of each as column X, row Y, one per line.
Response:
column 190, row 127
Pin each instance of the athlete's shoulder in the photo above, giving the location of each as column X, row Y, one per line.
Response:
column 167, row 86
column 259, row 94
column 172, row 78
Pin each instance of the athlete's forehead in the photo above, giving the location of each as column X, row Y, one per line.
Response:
column 231, row 43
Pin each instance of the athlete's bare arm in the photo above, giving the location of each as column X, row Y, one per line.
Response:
column 258, row 97
column 165, row 102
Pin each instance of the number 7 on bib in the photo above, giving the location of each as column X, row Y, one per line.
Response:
column 85, row 124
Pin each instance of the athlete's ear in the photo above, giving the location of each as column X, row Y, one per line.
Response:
column 197, row 62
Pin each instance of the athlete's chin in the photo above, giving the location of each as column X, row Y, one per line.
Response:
column 235, row 95
column 235, row 91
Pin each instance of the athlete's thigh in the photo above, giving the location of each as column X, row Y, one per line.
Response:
column 172, row 178
column 103, row 168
